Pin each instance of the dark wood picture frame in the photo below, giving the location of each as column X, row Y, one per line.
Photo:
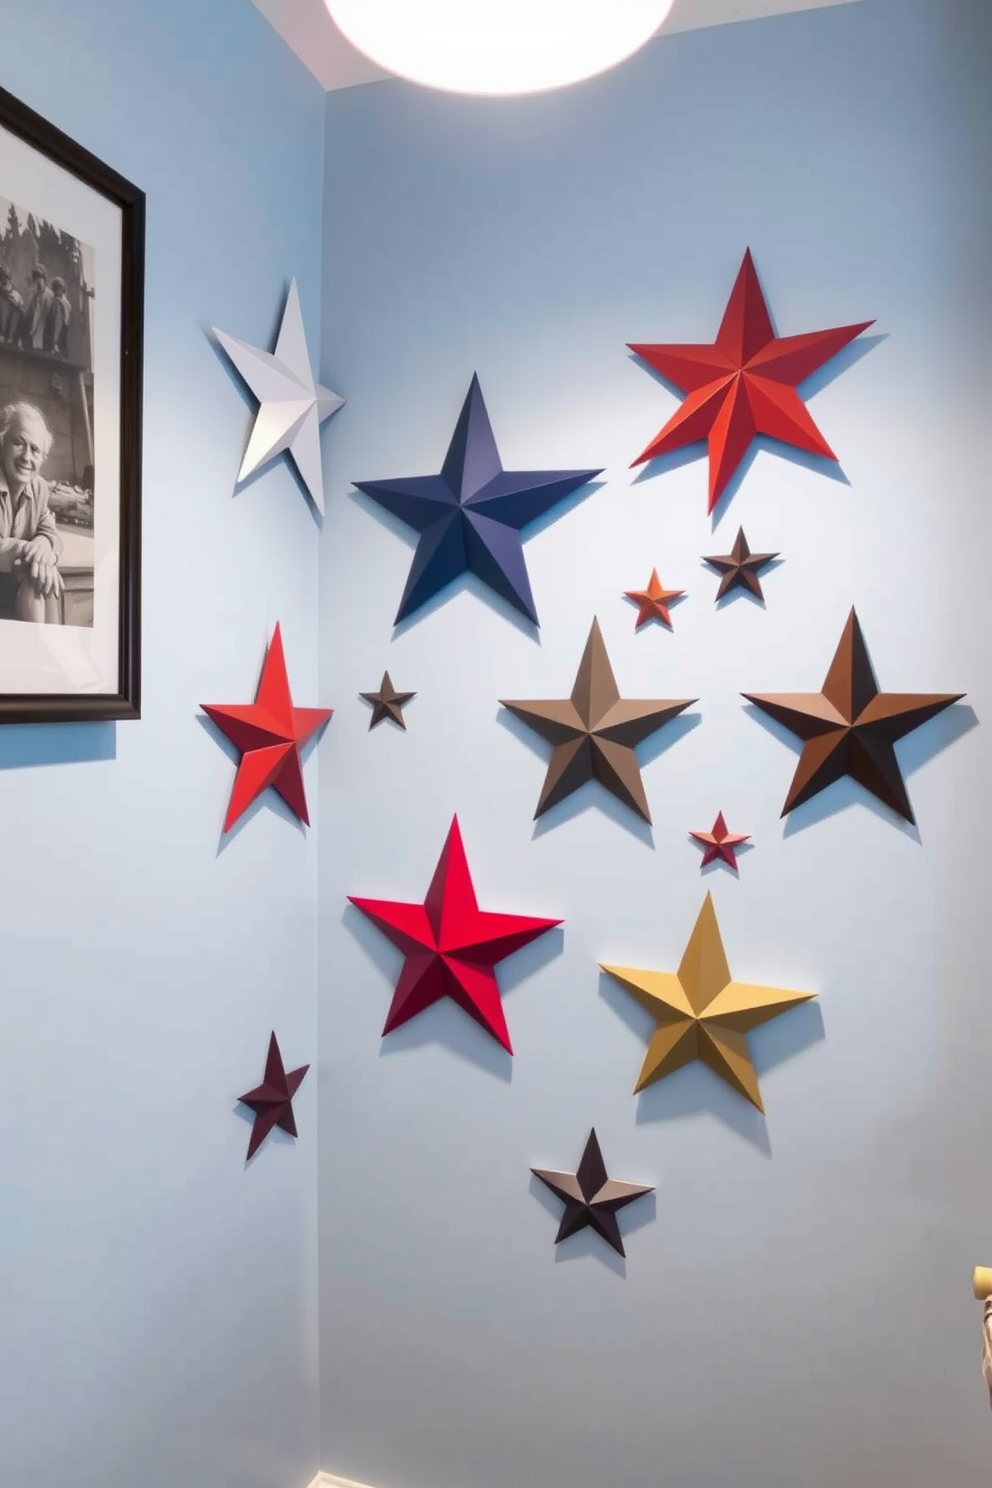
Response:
column 124, row 703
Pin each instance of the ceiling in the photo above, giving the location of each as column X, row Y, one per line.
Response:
column 315, row 39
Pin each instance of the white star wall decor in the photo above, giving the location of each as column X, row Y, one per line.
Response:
column 292, row 406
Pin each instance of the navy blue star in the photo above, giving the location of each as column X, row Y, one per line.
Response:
column 471, row 515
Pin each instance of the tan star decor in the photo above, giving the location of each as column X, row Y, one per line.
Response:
column 701, row 1013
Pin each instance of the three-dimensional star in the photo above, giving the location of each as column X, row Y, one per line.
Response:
column 850, row 728
column 387, row 703
column 470, row 517
column 269, row 733
column 719, row 843
column 592, row 1200
column 595, row 732
column 292, row 404
column 740, row 567
column 701, row 1013
column 272, row 1101
column 743, row 384
column 653, row 601
column 451, row 945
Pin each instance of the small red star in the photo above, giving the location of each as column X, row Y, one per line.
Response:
column 720, row 843
column 272, row 1101
column 653, row 601
column 451, row 945
column 269, row 733
column 743, row 384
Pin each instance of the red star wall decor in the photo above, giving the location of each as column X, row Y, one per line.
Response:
column 270, row 733
column 653, row 601
column 272, row 1101
column 451, row 945
column 719, row 843
column 743, row 384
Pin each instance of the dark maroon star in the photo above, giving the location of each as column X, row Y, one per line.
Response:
column 272, row 1101
column 740, row 568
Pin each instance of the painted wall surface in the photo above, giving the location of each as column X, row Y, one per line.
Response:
column 798, row 1312
column 157, row 1302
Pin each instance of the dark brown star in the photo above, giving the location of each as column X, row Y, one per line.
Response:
column 595, row 732
column 387, row 703
column 591, row 1199
column 849, row 728
column 740, row 567
column 272, row 1101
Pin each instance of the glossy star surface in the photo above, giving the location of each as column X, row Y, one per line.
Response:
column 470, row 517
column 272, row 1101
column 719, row 843
column 701, row 1013
column 387, row 703
column 592, row 1199
column 270, row 732
column 594, row 733
column 451, row 945
column 292, row 404
column 653, row 601
column 740, row 568
column 850, row 728
column 743, row 384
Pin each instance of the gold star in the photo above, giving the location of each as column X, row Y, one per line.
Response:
column 701, row 1013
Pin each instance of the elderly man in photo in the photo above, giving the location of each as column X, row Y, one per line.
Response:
column 30, row 582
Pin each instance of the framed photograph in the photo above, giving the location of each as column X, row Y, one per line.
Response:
column 72, row 241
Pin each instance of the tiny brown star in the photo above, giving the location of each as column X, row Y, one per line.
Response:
column 740, row 567
column 387, row 703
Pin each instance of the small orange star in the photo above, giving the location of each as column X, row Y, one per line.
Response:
column 653, row 601
column 720, row 843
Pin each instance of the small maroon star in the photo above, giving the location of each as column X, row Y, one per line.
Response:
column 720, row 843
column 653, row 601
column 272, row 1101
column 740, row 567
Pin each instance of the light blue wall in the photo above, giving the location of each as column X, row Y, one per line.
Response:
column 798, row 1313
column 157, row 1302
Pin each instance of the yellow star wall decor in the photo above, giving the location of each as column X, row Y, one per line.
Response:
column 702, row 1013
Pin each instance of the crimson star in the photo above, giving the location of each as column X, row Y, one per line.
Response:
column 272, row 1101
column 451, row 945
column 653, row 601
column 270, row 733
column 743, row 384
column 719, row 843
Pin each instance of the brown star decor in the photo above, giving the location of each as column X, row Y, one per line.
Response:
column 701, row 1013
column 849, row 727
column 653, row 602
column 272, row 1101
column 591, row 1199
column 387, row 703
column 594, row 733
column 740, row 568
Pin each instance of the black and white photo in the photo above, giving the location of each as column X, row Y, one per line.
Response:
column 71, row 272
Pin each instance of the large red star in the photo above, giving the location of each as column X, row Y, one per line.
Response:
column 653, row 602
column 269, row 733
column 743, row 384
column 451, row 945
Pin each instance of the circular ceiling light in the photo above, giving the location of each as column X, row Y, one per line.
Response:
column 497, row 46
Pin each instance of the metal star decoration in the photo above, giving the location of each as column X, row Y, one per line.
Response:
column 701, row 1013
column 471, row 516
column 850, row 728
column 592, row 1200
column 653, row 601
column 594, row 733
column 740, row 568
column 387, row 703
column 743, row 384
column 719, row 843
column 272, row 1101
column 292, row 404
column 451, row 945
column 270, row 732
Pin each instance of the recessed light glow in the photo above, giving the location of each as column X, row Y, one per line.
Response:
column 497, row 46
